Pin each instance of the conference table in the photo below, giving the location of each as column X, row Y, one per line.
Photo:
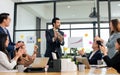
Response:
column 92, row 71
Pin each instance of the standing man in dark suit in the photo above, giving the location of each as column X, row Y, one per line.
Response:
column 94, row 55
column 54, row 38
column 4, row 23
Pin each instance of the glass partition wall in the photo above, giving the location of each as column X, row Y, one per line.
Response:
column 30, row 25
column 77, row 20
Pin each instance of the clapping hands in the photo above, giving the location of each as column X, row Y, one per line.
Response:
column 35, row 49
column 104, row 50
column 81, row 52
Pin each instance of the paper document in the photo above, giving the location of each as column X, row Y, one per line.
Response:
column 54, row 55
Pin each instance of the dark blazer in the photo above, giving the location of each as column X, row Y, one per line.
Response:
column 10, row 47
column 114, row 61
column 95, row 57
column 53, row 46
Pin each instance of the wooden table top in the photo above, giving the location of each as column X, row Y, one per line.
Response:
column 92, row 71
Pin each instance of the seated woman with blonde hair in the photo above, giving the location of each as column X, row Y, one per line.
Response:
column 26, row 59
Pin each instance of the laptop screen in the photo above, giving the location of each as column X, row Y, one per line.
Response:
column 84, row 60
column 40, row 62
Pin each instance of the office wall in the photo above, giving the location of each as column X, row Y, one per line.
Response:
column 8, row 6
column 26, row 20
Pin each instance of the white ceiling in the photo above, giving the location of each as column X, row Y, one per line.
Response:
column 42, row 0
column 72, row 9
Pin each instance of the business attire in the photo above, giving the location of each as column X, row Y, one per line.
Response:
column 114, row 61
column 11, row 45
column 94, row 56
column 111, row 44
column 53, row 46
column 5, row 65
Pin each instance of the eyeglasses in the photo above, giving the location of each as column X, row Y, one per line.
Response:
column 20, row 42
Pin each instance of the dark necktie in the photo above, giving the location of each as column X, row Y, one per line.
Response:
column 7, row 32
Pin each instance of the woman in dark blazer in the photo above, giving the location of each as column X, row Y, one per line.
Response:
column 115, row 60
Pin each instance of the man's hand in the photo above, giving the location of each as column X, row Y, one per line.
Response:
column 60, row 37
column 55, row 35
column 19, row 44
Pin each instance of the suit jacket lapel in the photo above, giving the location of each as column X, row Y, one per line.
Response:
column 95, row 53
column 2, row 31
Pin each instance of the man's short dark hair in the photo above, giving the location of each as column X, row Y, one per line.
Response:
column 54, row 20
column 3, row 16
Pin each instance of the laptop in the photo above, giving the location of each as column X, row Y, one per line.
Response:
column 40, row 62
column 38, row 65
column 84, row 60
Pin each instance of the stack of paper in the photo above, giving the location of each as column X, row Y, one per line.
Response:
column 68, row 65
